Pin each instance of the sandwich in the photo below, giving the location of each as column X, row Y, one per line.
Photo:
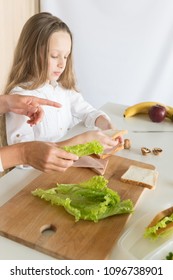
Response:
column 87, row 156
column 95, row 148
column 140, row 176
column 92, row 155
column 161, row 225
column 89, row 148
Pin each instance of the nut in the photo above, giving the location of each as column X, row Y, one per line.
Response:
column 157, row 151
column 145, row 151
column 127, row 144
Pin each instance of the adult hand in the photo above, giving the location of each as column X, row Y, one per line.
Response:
column 47, row 157
column 29, row 106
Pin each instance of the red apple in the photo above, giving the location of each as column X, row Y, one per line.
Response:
column 157, row 113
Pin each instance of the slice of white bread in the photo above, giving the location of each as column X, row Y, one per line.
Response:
column 113, row 133
column 140, row 176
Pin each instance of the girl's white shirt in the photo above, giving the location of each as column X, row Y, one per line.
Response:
column 56, row 121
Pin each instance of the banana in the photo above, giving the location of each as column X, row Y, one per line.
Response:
column 143, row 108
column 139, row 108
column 169, row 112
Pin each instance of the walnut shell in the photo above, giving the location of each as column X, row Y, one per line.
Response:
column 127, row 144
column 157, row 151
column 145, row 151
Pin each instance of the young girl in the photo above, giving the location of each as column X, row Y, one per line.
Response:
column 42, row 67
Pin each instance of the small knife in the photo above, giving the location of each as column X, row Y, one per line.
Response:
column 150, row 131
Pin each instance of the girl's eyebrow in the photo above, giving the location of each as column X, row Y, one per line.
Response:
column 68, row 51
column 59, row 51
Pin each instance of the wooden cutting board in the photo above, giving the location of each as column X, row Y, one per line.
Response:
column 25, row 217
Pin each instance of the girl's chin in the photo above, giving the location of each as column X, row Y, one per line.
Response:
column 53, row 79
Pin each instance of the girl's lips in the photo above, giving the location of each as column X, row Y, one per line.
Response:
column 57, row 73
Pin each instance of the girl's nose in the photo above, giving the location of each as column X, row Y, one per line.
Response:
column 60, row 62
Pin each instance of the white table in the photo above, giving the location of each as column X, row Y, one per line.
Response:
column 150, row 202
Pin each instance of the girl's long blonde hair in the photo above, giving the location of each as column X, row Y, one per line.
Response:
column 30, row 64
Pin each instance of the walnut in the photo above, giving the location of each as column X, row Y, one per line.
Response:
column 157, row 151
column 145, row 151
column 127, row 144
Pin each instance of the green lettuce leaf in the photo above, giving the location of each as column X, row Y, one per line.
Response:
column 169, row 256
column 152, row 233
column 89, row 200
column 93, row 147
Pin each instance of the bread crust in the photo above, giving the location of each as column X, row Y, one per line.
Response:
column 140, row 184
column 113, row 133
column 126, row 177
column 165, row 213
column 109, row 153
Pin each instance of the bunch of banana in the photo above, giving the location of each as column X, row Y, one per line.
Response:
column 143, row 108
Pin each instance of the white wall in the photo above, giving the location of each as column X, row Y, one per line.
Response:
column 123, row 49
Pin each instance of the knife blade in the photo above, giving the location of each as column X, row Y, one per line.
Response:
column 150, row 131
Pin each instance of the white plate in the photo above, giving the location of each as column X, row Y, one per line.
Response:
column 136, row 246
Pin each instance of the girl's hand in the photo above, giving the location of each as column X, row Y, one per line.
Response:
column 89, row 136
column 102, row 123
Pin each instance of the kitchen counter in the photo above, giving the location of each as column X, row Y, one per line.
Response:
column 142, row 133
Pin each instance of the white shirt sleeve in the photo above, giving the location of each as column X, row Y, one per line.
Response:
column 1, row 166
column 83, row 110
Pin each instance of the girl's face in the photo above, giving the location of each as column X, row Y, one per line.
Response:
column 59, row 50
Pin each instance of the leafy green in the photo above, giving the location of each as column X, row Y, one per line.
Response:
column 169, row 256
column 152, row 233
column 93, row 147
column 89, row 200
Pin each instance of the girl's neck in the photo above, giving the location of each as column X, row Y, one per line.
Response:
column 52, row 83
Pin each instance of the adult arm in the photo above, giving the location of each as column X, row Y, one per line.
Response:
column 43, row 156
column 29, row 106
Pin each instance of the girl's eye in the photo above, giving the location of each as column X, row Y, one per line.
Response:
column 56, row 57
